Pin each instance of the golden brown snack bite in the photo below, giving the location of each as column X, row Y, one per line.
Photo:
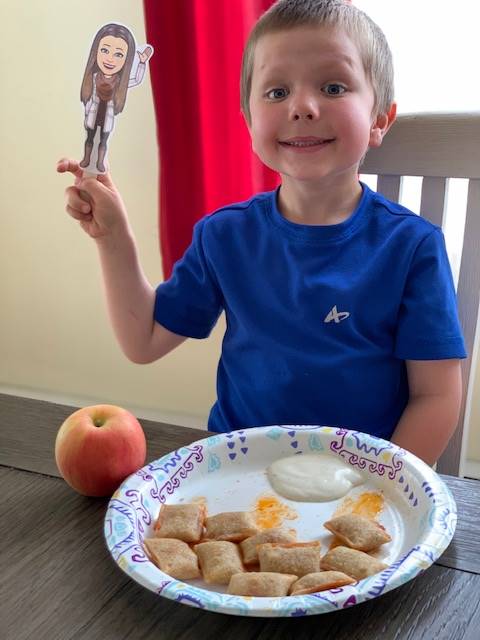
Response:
column 354, row 563
column 174, row 557
column 278, row 534
column 358, row 532
column 263, row 583
column 181, row 521
column 296, row 558
column 230, row 525
column 321, row 581
column 219, row 560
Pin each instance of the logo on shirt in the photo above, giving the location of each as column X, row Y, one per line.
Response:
column 336, row 316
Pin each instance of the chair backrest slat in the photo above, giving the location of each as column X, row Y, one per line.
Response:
column 468, row 295
column 433, row 203
column 389, row 186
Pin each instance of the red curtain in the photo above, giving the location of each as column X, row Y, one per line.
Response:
column 206, row 159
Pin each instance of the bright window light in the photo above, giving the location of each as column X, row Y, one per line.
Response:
column 435, row 48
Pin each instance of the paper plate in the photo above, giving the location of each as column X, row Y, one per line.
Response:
column 228, row 472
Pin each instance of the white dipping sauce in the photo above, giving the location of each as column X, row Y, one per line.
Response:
column 312, row 477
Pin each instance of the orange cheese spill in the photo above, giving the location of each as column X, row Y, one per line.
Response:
column 367, row 504
column 271, row 512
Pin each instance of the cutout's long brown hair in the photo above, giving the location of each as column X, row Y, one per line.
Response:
column 120, row 95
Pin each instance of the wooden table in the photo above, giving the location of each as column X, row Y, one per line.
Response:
column 58, row 581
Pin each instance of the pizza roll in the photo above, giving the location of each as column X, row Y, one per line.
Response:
column 321, row 581
column 354, row 563
column 174, row 557
column 182, row 521
column 249, row 546
column 263, row 583
column 231, row 525
column 358, row 532
column 219, row 560
column 296, row 558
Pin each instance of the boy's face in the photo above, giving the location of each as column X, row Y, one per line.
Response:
column 311, row 105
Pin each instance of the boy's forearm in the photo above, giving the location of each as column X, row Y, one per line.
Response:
column 130, row 297
column 426, row 425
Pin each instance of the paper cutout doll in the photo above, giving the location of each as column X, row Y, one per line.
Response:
column 114, row 65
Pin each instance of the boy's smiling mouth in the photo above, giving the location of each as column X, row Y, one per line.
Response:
column 305, row 142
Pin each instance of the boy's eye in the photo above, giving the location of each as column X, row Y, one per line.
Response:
column 277, row 94
column 334, row 89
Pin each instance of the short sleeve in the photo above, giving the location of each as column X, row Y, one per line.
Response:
column 428, row 326
column 190, row 302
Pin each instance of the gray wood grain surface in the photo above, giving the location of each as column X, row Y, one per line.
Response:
column 28, row 429
column 464, row 550
column 58, row 582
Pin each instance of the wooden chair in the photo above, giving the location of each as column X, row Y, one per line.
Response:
column 439, row 146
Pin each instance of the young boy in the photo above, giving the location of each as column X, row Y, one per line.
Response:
column 340, row 305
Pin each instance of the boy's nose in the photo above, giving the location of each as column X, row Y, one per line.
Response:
column 304, row 109
column 301, row 116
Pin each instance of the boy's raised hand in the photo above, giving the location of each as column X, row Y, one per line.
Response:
column 94, row 202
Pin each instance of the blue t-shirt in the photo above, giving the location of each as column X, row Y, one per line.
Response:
column 320, row 318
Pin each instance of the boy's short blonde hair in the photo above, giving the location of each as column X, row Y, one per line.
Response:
column 369, row 38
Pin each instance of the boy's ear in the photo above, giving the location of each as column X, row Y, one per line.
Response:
column 381, row 125
column 249, row 127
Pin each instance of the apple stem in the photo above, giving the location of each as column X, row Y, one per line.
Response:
column 98, row 422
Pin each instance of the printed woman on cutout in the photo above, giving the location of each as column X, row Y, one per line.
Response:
column 105, row 84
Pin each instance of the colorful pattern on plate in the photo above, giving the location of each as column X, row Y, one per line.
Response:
column 133, row 507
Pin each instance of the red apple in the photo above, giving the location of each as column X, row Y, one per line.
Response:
column 98, row 447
